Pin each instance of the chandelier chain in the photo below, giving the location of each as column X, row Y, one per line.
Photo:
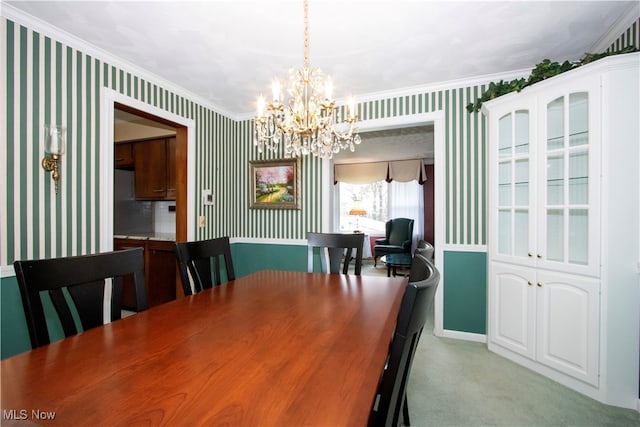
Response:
column 306, row 34
column 309, row 122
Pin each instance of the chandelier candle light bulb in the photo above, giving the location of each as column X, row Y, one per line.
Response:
column 261, row 106
column 275, row 89
column 328, row 89
column 306, row 121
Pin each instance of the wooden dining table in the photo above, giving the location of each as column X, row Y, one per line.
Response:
column 273, row 348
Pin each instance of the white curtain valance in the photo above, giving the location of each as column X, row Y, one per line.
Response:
column 365, row 173
column 361, row 173
column 407, row 170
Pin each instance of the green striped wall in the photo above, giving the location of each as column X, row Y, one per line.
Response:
column 45, row 81
column 465, row 165
column 243, row 222
column 630, row 37
column 49, row 82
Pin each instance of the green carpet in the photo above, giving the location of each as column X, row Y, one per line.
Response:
column 460, row 383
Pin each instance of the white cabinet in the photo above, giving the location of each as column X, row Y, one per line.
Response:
column 544, row 175
column 563, row 185
column 567, row 322
column 549, row 317
column 512, row 314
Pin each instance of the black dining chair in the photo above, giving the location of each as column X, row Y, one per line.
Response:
column 84, row 279
column 333, row 246
column 391, row 398
column 200, row 265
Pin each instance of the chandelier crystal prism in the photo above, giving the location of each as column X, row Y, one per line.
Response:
column 307, row 122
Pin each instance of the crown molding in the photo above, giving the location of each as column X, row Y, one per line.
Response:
column 46, row 29
column 426, row 88
column 631, row 15
column 43, row 27
column 445, row 85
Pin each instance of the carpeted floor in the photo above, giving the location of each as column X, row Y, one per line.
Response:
column 461, row 383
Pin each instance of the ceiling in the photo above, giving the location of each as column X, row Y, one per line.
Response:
column 227, row 52
column 415, row 142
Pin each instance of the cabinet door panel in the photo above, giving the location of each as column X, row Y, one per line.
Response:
column 512, row 308
column 513, row 187
column 567, row 324
column 123, row 156
column 569, row 202
column 171, row 169
column 128, row 290
column 150, row 166
column 161, row 279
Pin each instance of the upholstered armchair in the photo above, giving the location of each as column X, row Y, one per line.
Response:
column 398, row 237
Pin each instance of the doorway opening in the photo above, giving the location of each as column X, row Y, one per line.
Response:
column 433, row 189
column 184, row 155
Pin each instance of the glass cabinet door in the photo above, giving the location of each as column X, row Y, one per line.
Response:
column 514, row 185
column 567, row 176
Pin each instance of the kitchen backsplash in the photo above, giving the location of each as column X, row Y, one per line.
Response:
column 131, row 217
column 139, row 218
column 165, row 221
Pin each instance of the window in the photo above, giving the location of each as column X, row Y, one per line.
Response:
column 373, row 198
column 381, row 201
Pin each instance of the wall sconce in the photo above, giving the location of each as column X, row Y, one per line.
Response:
column 54, row 141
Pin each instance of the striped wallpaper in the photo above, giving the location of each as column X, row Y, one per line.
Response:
column 630, row 37
column 49, row 82
column 465, row 134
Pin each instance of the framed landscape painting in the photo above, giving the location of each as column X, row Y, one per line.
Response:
column 274, row 184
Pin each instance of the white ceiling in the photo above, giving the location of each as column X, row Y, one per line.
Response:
column 227, row 52
column 415, row 142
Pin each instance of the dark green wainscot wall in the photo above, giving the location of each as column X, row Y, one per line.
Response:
column 465, row 292
column 14, row 337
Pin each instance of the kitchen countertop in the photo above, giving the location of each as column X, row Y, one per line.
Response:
column 151, row 236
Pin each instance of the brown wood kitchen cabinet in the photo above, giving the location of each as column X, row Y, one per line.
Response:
column 161, row 274
column 128, row 293
column 155, row 169
column 171, row 168
column 159, row 271
column 123, row 156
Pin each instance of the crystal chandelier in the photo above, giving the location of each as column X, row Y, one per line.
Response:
column 307, row 121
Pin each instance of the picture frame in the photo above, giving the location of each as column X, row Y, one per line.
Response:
column 274, row 184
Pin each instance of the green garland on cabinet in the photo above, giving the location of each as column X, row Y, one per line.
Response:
column 542, row 71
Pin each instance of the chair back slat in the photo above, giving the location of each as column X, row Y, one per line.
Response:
column 416, row 302
column 333, row 246
column 200, row 263
column 83, row 278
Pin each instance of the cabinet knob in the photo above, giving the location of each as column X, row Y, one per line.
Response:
column 529, row 254
column 529, row 282
column 539, row 284
column 539, row 255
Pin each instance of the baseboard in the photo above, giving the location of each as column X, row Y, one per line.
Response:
column 467, row 336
